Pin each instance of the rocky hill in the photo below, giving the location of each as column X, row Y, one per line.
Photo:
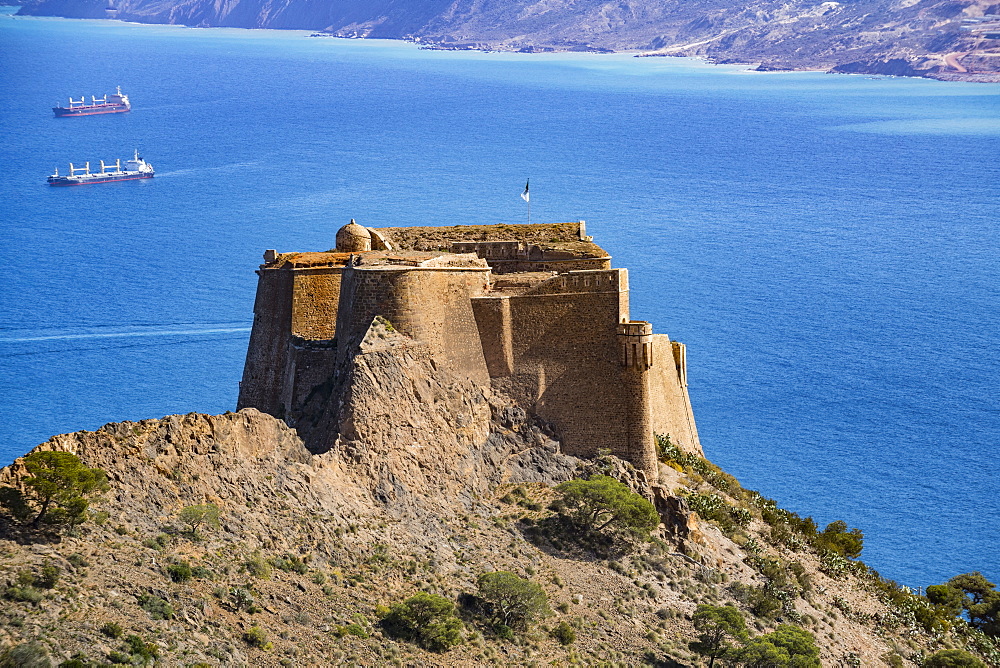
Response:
column 436, row 483
column 939, row 38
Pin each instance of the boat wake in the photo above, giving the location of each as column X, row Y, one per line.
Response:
column 121, row 335
column 202, row 170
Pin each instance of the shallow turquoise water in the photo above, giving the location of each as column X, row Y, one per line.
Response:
column 825, row 245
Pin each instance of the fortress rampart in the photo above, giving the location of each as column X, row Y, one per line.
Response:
column 536, row 313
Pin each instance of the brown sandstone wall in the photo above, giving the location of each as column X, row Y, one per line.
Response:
column 670, row 403
column 315, row 297
column 267, row 354
column 432, row 306
column 565, row 358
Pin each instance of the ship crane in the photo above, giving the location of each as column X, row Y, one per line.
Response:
column 81, row 101
column 117, row 165
column 103, row 100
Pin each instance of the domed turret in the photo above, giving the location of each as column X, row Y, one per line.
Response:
column 352, row 238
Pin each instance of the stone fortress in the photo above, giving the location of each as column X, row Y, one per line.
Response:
column 534, row 313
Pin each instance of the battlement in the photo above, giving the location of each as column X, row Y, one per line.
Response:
column 534, row 312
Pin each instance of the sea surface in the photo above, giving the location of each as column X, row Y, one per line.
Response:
column 827, row 246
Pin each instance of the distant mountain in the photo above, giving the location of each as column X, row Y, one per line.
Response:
column 947, row 39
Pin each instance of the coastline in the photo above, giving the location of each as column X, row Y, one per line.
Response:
column 885, row 65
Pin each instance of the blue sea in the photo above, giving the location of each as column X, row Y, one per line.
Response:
column 827, row 246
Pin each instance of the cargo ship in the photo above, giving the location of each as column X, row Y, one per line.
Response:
column 109, row 104
column 136, row 168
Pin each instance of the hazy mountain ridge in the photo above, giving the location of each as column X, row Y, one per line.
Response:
column 925, row 37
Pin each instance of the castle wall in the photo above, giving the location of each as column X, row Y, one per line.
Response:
column 576, row 264
column 267, row 354
column 431, row 305
column 315, row 295
column 567, row 368
column 670, row 404
column 493, row 319
column 567, row 351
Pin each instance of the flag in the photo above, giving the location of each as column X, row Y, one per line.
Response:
column 525, row 196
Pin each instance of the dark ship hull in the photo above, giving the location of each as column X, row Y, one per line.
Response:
column 115, row 103
column 96, row 178
column 90, row 110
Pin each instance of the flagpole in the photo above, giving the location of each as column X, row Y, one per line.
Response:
column 526, row 196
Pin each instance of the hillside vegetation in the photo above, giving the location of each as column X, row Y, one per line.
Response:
column 939, row 38
column 222, row 541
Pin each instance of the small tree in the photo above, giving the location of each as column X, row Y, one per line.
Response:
column 973, row 593
column 716, row 625
column 799, row 643
column 787, row 646
column 206, row 514
column 838, row 539
column 761, row 653
column 57, row 491
column 512, row 601
column 427, row 620
column 604, row 503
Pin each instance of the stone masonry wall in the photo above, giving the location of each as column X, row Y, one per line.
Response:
column 315, row 297
column 267, row 353
column 566, row 366
column 433, row 306
column 670, row 404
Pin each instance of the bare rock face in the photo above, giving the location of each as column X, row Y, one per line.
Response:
column 410, row 433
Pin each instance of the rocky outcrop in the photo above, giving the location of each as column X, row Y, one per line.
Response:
column 800, row 34
column 311, row 544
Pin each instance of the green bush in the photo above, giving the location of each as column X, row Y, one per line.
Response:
column 179, row 572
column 243, row 599
column 786, row 647
column 158, row 542
column 973, row 593
column 952, row 658
column 836, row 538
column 256, row 637
column 139, row 649
column 25, row 594
column 78, row 661
column 49, row 576
column 28, row 655
column 289, row 562
column 203, row 515
column 77, row 560
column 258, row 567
column 717, row 626
column 112, row 630
column 156, row 606
column 352, row 629
column 712, row 507
column 201, row 573
column 512, row 601
column 426, row 619
column 564, row 633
